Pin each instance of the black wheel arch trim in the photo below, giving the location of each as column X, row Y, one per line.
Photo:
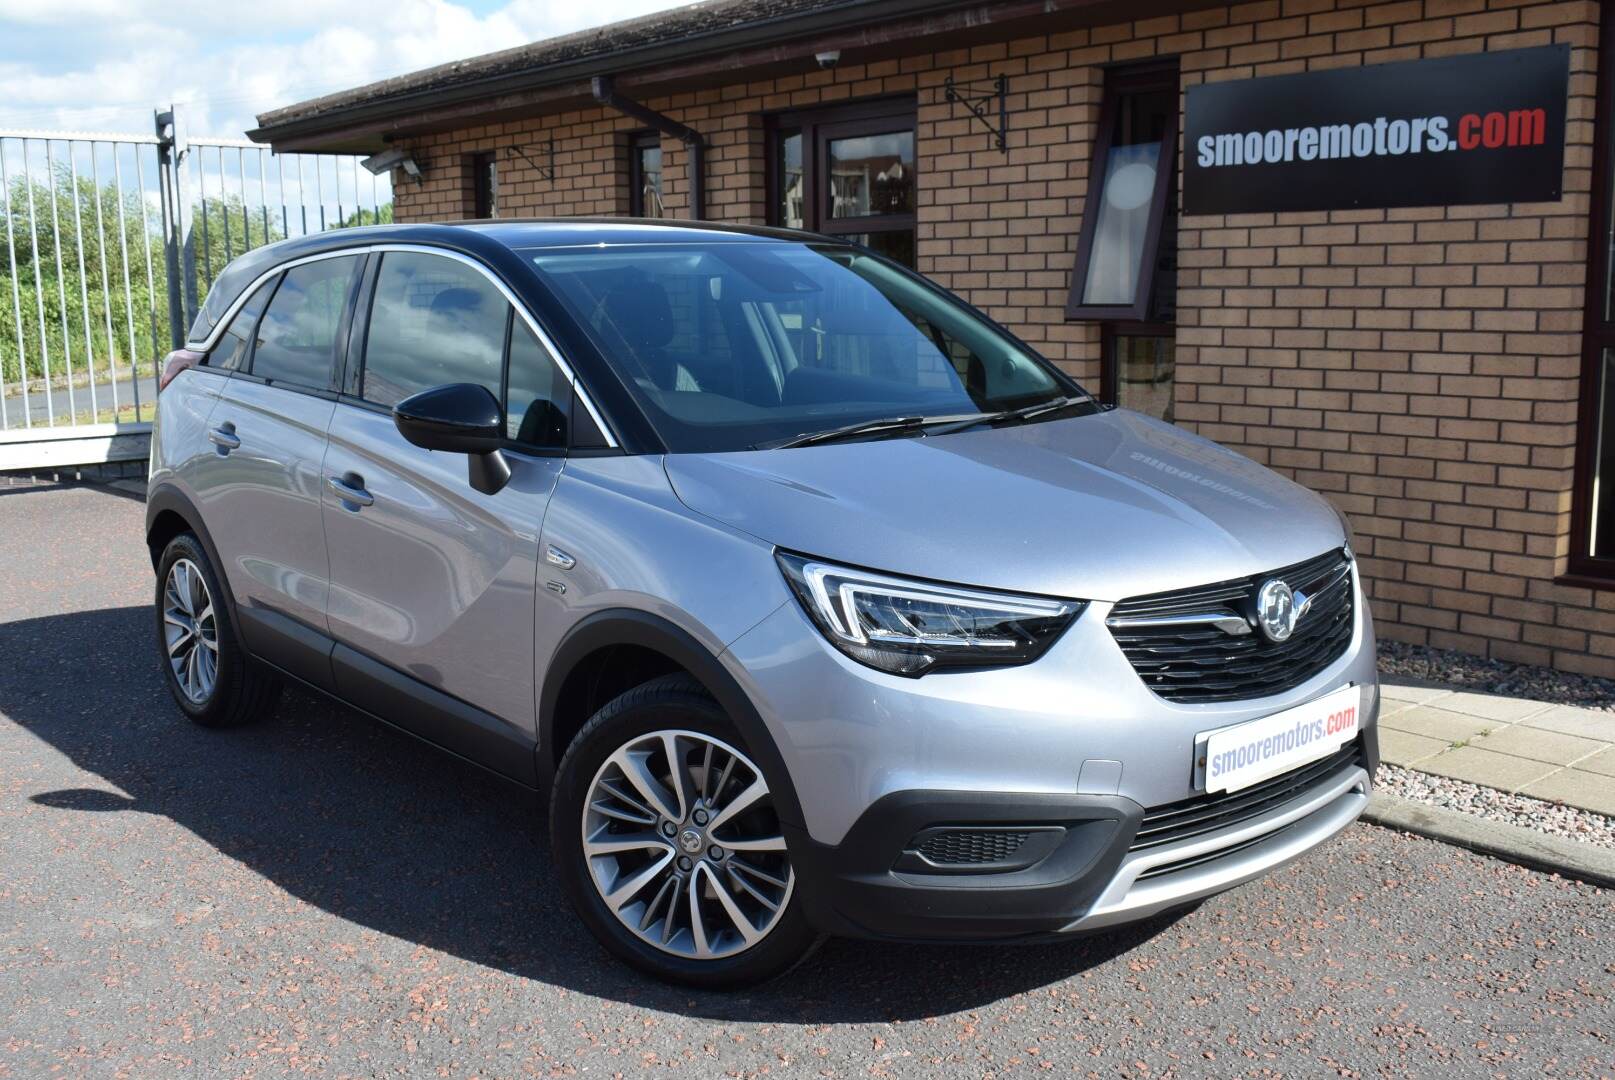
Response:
column 168, row 498
column 627, row 626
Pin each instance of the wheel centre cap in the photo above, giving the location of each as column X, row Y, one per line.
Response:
column 691, row 841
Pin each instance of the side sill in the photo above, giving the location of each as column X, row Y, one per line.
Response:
column 388, row 695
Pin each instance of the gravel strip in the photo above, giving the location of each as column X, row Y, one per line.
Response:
column 1553, row 819
column 1467, row 672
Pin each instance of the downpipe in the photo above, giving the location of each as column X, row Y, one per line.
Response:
column 605, row 93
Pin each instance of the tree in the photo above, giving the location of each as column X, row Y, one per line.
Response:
column 381, row 216
column 84, row 284
column 76, row 274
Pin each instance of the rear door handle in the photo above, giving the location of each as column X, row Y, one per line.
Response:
column 224, row 437
column 349, row 487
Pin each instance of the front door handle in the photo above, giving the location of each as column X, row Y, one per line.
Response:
column 224, row 437
column 349, row 487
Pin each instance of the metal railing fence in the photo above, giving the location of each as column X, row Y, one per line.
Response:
column 111, row 243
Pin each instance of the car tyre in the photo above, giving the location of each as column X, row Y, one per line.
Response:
column 210, row 675
column 676, row 712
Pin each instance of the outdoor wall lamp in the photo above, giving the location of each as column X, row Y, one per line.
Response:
column 391, row 159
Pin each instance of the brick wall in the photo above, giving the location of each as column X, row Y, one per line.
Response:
column 1420, row 367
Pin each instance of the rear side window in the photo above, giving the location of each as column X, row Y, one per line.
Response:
column 433, row 321
column 230, row 354
column 298, row 333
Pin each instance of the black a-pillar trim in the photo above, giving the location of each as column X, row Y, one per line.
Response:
column 606, row 94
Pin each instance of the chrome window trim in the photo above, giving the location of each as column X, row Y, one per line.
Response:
column 578, row 391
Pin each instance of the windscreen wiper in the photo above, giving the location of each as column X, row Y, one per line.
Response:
column 928, row 424
column 1025, row 412
column 865, row 427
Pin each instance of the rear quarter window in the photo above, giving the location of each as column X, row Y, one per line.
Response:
column 235, row 344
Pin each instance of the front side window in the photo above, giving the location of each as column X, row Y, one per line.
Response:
column 433, row 320
column 297, row 335
column 730, row 346
column 540, row 398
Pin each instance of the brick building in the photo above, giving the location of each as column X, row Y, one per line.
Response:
column 1436, row 370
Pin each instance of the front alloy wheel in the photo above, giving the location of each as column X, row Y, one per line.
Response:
column 668, row 842
column 683, row 845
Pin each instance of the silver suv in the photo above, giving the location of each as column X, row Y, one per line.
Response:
column 814, row 601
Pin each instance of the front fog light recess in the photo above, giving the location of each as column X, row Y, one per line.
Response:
column 910, row 627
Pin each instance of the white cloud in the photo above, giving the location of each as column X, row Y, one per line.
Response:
column 106, row 64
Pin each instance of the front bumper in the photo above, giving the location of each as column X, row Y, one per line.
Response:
column 874, row 884
column 1073, row 742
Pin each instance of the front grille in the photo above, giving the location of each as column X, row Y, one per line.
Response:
column 966, row 847
column 1202, row 814
column 1183, row 656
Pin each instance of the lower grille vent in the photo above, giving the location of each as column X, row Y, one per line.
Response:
column 966, row 847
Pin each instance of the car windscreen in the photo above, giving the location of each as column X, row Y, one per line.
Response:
column 729, row 346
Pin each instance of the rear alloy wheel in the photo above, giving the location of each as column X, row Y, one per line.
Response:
column 212, row 679
column 668, row 841
column 190, row 631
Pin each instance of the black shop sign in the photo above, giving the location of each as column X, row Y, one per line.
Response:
column 1482, row 128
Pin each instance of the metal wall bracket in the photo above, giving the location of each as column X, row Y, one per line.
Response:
column 546, row 171
column 979, row 102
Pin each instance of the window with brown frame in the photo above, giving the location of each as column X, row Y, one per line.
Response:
column 645, row 176
column 1125, row 274
column 847, row 171
column 1592, row 517
column 1140, row 367
column 484, row 169
column 1131, row 185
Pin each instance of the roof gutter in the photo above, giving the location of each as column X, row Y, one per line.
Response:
column 378, row 110
column 605, row 93
column 378, row 115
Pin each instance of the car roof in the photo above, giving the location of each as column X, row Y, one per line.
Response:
column 524, row 233
column 486, row 238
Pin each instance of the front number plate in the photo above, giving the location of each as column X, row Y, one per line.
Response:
column 1249, row 753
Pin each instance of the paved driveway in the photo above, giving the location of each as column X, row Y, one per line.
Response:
column 319, row 896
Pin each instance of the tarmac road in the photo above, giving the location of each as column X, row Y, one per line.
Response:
column 320, row 896
column 39, row 407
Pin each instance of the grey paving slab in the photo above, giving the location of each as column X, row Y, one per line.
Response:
column 1504, row 771
column 1405, row 748
column 1571, row 720
column 1493, row 707
column 1538, row 744
column 1602, row 763
column 1576, row 787
column 1437, row 723
column 1399, row 689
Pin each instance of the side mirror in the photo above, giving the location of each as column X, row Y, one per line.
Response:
column 459, row 418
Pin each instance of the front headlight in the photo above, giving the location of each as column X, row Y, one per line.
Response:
column 911, row 627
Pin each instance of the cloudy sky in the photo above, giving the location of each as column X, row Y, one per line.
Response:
column 103, row 65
